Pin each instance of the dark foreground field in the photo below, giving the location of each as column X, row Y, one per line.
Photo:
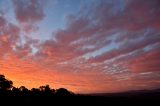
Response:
column 151, row 98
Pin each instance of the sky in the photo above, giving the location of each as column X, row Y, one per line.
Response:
column 86, row 46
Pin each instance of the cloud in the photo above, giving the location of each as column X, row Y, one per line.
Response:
column 107, row 44
column 149, row 62
column 8, row 36
column 104, row 20
column 28, row 13
column 2, row 22
column 129, row 45
column 131, row 15
column 132, row 26
column 11, row 41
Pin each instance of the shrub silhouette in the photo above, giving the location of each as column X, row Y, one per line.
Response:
column 63, row 92
column 23, row 89
column 4, row 83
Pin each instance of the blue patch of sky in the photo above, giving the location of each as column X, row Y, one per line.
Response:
column 6, row 7
column 120, row 6
column 105, row 48
column 102, row 50
column 55, row 16
column 151, row 47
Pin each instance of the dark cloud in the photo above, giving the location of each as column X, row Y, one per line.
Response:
column 132, row 15
column 2, row 22
column 29, row 12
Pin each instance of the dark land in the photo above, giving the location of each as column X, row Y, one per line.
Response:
column 44, row 95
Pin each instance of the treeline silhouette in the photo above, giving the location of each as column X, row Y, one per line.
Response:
column 7, row 89
column 46, row 96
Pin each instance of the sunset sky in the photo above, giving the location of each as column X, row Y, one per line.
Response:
column 86, row 46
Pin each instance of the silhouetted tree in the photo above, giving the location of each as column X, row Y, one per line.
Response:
column 46, row 90
column 4, row 83
column 63, row 92
column 15, row 91
column 53, row 91
column 23, row 89
column 35, row 92
column 42, row 88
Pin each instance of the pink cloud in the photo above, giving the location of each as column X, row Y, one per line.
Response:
column 129, row 45
column 149, row 62
column 8, row 36
column 28, row 13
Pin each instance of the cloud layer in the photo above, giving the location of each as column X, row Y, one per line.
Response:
column 106, row 45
